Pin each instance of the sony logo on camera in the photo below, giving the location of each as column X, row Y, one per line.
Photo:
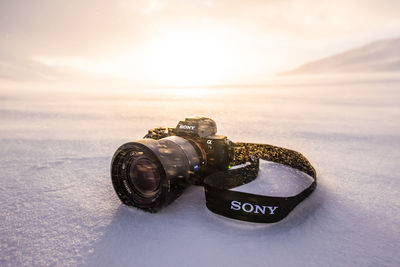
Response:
column 250, row 208
column 187, row 127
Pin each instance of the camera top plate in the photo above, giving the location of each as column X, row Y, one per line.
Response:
column 196, row 126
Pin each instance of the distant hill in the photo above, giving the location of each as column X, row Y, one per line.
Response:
column 379, row 56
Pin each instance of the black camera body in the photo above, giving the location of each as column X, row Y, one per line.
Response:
column 152, row 172
column 216, row 150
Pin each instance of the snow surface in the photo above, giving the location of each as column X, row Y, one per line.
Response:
column 58, row 206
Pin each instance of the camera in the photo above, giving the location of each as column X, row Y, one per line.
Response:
column 152, row 172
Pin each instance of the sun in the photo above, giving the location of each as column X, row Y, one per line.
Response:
column 187, row 59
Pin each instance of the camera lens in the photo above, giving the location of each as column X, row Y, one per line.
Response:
column 144, row 177
column 152, row 173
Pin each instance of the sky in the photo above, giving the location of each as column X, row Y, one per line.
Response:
column 178, row 43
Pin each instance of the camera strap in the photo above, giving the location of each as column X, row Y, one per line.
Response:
column 252, row 207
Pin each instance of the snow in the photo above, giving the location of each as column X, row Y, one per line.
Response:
column 58, row 206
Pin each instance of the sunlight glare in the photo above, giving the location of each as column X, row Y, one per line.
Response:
column 187, row 59
column 178, row 59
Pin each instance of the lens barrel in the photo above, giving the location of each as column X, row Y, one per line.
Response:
column 152, row 173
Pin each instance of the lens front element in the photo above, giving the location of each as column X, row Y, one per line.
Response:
column 144, row 177
column 150, row 174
